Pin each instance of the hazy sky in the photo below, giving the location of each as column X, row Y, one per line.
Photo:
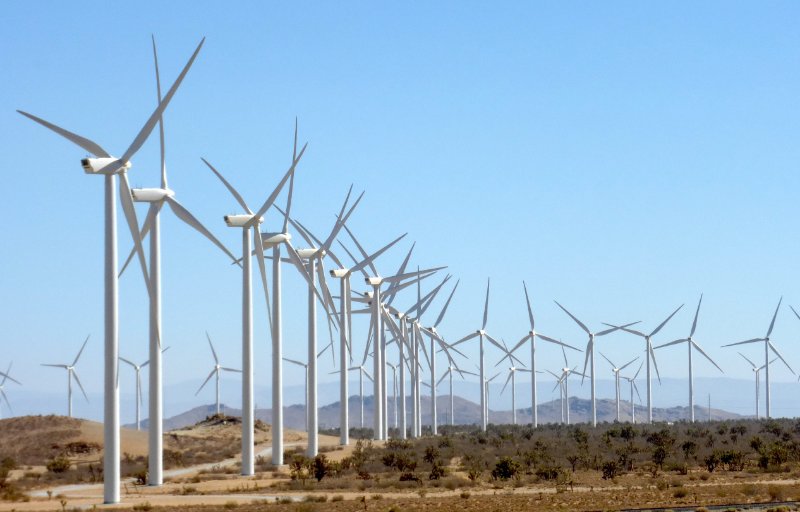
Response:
column 620, row 157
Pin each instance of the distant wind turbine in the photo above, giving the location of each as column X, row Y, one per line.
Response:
column 138, row 385
column 72, row 374
column 616, row 370
column 756, row 371
column 215, row 371
column 6, row 377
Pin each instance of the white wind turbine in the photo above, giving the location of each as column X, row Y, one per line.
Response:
column 156, row 198
column 691, row 344
column 305, row 383
column 512, row 372
column 375, row 299
column 590, row 355
column 632, row 383
column 247, row 222
column 361, row 372
column 138, row 385
column 486, row 394
column 314, row 256
column 615, row 370
column 650, row 355
column 72, row 374
column 215, row 372
column 449, row 374
column 531, row 336
column 756, row 371
column 102, row 163
column 345, row 322
column 394, row 390
column 480, row 334
column 767, row 347
column 6, row 377
column 562, row 382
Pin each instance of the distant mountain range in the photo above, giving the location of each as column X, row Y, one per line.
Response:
column 466, row 412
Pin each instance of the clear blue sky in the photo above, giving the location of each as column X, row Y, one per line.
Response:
column 622, row 158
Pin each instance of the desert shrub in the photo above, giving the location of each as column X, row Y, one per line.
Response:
column 610, row 469
column 548, row 472
column 776, row 492
column 680, row 493
column 711, row 461
column 143, row 507
column 58, row 464
column 437, row 470
column 505, row 468
column 733, row 460
column 320, row 466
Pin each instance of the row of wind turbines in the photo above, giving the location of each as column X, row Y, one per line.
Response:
column 394, row 331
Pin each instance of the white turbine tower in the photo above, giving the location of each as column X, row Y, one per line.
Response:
column 650, row 356
column 633, row 387
column 562, row 382
column 531, row 336
column 215, row 371
column 305, row 384
column 102, row 163
column 345, row 322
column 361, row 372
column 691, row 344
column 156, row 198
column 756, row 371
column 615, row 370
column 767, row 347
column 449, row 374
column 486, row 394
column 394, row 390
column 6, row 377
column 248, row 222
column 480, row 334
column 138, row 386
column 72, row 374
column 512, row 371
column 590, row 356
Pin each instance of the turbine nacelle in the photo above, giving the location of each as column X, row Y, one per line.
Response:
column 104, row 165
column 151, row 195
column 239, row 221
column 374, row 281
column 273, row 239
column 339, row 272
column 307, row 254
column 481, row 332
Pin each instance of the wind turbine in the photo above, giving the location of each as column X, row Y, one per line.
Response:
column 690, row 343
column 247, row 222
column 314, row 257
column 361, row 372
column 512, row 371
column 562, row 381
column 138, row 368
column 632, row 383
column 215, row 371
column 449, row 373
column 531, row 336
column 480, row 334
column 756, row 371
column 650, row 355
column 590, row 355
column 486, row 393
column 6, row 376
column 615, row 370
column 156, row 198
column 72, row 374
column 394, row 390
column 305, row 383
column 345, row 312
column 767, row 347
column 102, row 163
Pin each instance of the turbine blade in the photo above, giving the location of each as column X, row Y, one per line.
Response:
column 754, row 340
column 772, row 323
column 156, row 115
column 6, row 399
column 582, row 326
column 271, row 199
column 780, row 356
column 130, row 216
column 90, row 146
column 184, row 214
column 75, row 376
column 230, row 188
column 628, row 363
column 696, row 314
column 624, row 328
column 508, row 379
column 637, row 371
column 486, row 306
column 446, row 305
column 614, row 328
column 655, row 363
column 340, row 221
column 160, row 119
column 557, row 342
column 662, row 324
column 214, row 352
column 671, row 343
column 609, row 360
column 230, row 369
column 291, row 190
column 139, row 387
column 81, row 350
column 262, row 271
column 521, row 342
column 530, row 311
column 205, row 381
column 749, row 361
column 127, row 361
column 152, row 211
column 706, row 356
column 369, row 259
